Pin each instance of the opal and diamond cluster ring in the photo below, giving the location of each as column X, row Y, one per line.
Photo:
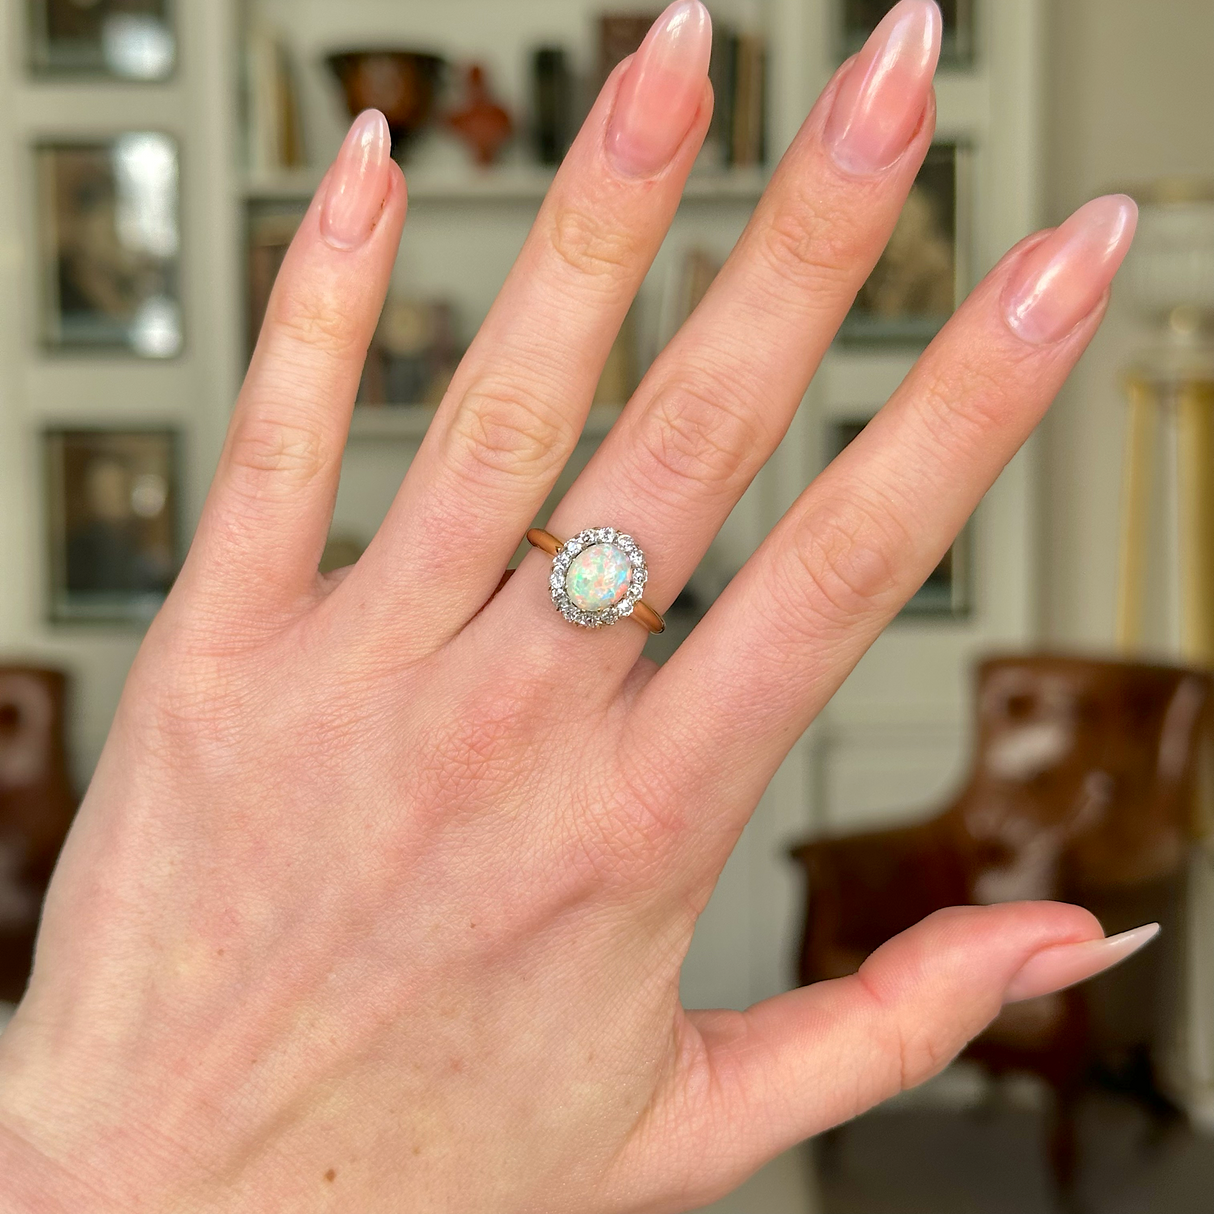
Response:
column 597, row 577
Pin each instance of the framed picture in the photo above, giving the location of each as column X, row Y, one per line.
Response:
column 915, row 286
column 112, row 523
column 858, row 19
column 947, row 592
column 122, row 39
column 109, row 244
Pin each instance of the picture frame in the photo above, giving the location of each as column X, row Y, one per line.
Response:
column 126, row 40
column 924, row 269
column 856, row 20
column 109, row 238
column 113, row 537
column 947, row 592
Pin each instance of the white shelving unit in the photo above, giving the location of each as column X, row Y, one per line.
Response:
column 891, row 735
column 410, row 422
column 514, row 183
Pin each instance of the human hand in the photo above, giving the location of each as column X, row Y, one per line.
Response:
column 379, row 896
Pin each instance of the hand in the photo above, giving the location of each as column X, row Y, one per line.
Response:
column 379, row 896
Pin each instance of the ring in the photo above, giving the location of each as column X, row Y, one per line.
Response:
column 598, row 577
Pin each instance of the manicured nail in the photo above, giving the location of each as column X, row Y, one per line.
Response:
column 358, row 182
column 661, row 91
column 1064, row 965
column 1064, row 277
column 880, row 101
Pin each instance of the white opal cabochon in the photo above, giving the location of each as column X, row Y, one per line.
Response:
column 598, row 577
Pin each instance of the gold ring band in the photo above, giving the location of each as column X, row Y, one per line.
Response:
column 563, row 552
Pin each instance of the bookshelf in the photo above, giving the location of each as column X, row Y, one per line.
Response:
column 510, row 184
column 409, row 423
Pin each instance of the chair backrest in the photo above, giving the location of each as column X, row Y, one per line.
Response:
column 36, row 807
column 1085, row 774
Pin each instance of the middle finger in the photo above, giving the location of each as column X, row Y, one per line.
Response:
column 717, row 402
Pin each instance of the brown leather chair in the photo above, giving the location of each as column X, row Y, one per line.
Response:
column 1084, row 789
column 36, row 808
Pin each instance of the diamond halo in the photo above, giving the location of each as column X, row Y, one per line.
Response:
column 560, row 568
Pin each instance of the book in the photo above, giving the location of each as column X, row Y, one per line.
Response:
column 273, row 127
column 737, row 136
column 269, row 235
column 552, row 103
column 747, row 129
column 718, row 142
column 687, row 282
column 620, row 35
column 619, row 378
column 737, row 70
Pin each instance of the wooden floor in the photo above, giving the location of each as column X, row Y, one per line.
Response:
column 785, row 1186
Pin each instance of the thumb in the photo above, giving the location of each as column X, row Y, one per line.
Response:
column 754, row 1083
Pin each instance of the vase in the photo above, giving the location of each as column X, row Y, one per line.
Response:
column 481, row 122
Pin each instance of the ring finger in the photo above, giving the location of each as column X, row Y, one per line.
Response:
column 720, row 397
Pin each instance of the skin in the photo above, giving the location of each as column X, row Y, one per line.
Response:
column 370, row 905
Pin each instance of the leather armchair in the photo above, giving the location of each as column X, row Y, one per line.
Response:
column 1085, row 788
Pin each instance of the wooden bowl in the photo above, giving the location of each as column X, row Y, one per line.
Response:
column 400, row 83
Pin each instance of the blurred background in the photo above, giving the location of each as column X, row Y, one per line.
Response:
column 1037, row 722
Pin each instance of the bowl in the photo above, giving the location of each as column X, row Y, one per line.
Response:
column 400, row 83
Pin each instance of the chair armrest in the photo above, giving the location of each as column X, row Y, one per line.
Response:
column 865, row 888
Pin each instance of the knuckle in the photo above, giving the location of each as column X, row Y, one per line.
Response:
column 589, row 246
column 636, row 830
column 471, row 760
column 959, row 406
column 712, row 439
column 914, row 1052
column 267, row 447
column 499, row 428
column 309, row 318
column 800, row 243
column 462, row 766
column 196, row 714
column 846, row 556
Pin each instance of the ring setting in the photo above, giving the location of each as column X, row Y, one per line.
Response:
column 598, row 577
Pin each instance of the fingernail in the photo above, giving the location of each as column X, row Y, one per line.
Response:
column 880, row 101
column 1064, row 965
column 661, row 91
column 358, row 182
column 1064, row 277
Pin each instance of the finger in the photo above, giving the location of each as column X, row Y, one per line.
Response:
column 519, row 400
column 751, row 1084
column 267, row 515
column 863, row 537
column 721, row 396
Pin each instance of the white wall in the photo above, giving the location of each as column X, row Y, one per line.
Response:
column 1131, row 98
